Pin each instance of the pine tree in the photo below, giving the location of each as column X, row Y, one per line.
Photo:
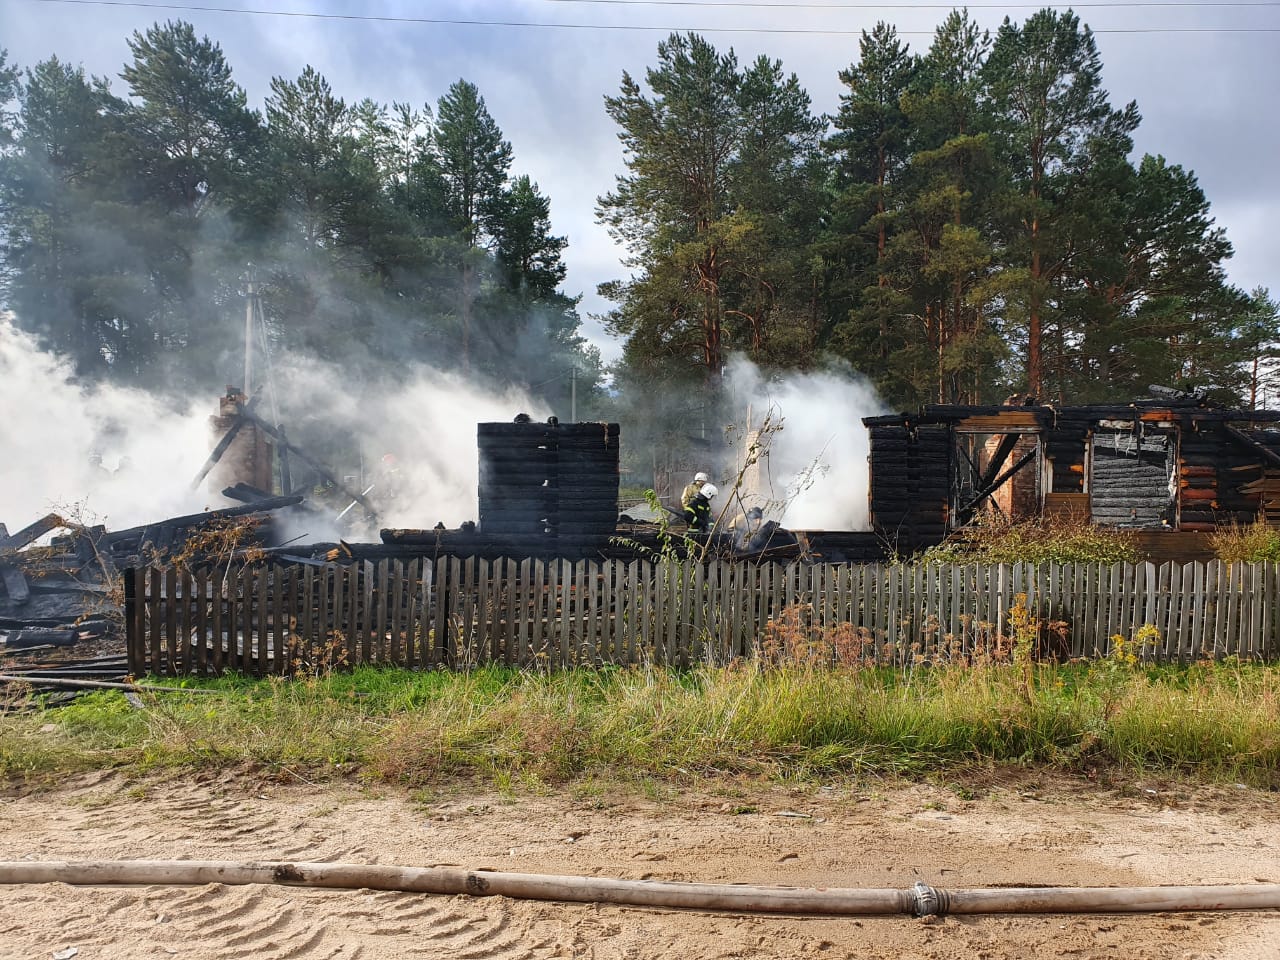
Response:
column 74, row 279
column 1054, row 124
column 672, row 209
column 871, row 147
column 945, row 196
column 474, row 160
column 192, row 147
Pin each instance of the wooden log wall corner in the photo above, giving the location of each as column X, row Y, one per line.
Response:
column 549, row 481
column 910, row 484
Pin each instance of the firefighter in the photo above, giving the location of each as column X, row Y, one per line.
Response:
column 698, row 513
column 686, row 498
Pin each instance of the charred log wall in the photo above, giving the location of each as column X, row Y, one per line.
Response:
column 543, row 481
column 1213, row 466
column 1130, row 482
column 910, row 484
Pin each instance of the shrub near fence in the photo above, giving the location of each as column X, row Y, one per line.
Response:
column 280, row 619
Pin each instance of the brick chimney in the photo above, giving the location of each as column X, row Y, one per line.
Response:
column 249, row 458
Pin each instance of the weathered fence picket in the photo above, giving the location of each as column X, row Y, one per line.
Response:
column 278, row 618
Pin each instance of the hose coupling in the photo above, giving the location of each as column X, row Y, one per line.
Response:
column 928, row 901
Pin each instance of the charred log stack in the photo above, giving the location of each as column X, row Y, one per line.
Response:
column 1131, row 480
column 1167, row 463
column 59, row 594
column 1200, row 451
column 542, row 483
column 910, row 484
column 1222, row 474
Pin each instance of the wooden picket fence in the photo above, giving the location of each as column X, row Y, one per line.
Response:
column 285, row 618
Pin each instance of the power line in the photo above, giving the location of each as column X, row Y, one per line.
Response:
column 451, row 21
column 871, row 5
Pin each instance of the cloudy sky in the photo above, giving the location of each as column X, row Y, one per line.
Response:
column 1208, row 99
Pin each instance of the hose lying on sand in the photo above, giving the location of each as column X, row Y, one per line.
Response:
column 920, row 900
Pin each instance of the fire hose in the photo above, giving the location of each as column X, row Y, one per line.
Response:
column 919, row 900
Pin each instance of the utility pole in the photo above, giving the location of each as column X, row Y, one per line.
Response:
column 573, row 393
column 250, row 302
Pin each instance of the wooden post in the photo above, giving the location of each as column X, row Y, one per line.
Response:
column 201, row 638
column 131, row 637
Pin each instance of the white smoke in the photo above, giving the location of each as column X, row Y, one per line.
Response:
column 431, row 427
column 816, row 474
column 424, row 419
column 53, row 429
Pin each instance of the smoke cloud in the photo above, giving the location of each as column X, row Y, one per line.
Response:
column 425, row 420
column 814, row 475
column 125, row 457
column 100, row 453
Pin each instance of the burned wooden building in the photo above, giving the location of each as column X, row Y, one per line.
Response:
column 1172, row 463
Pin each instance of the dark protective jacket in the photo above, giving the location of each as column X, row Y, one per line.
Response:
column 698, row 513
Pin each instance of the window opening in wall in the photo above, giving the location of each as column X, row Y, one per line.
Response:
column 996, row 473
column 1132, row 476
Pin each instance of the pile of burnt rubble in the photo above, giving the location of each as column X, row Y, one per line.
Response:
column 61, row 601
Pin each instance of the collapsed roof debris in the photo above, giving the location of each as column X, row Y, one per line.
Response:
column 68, row 593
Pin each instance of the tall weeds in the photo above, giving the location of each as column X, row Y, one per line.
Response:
column 1256, row 542
column 996, row 539
column 789, row 719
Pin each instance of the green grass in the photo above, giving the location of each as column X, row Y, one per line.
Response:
column 521, row 730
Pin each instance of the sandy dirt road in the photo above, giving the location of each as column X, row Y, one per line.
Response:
column 889, row 835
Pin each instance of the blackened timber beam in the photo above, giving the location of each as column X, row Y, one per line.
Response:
column 890, row 420
column 1252, row 444
column 193, row 519
column 314, row 464
column 245, row 493
column 220, row 449
column 998, row 458
column 32, row 532
column 286, row 481
column 966, row 512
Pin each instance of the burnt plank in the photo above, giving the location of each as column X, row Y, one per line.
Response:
column 184, row 638
column 202, row 622
column 15, row 584
column 171, row 619
column 219, row 449
column 32, row 532
column 136, row 611
column 154, row 634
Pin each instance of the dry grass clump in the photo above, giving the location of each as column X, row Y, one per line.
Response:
column 217, row 542
column 1256, row 542
column 795, row 637
column 996, row 539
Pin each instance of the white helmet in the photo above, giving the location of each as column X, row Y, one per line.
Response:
column 700, row 477
column 709, row 490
